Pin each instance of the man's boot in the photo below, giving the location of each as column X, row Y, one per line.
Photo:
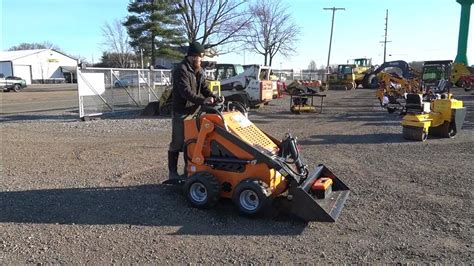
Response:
column 173, row 165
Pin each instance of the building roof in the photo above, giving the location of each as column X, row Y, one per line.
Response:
column 13, row 55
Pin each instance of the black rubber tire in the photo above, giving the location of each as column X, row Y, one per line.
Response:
column 251, row 196
column 391, row 110
column 467, row 86
column 370, row 81
column 202, row 190
column 16, row 88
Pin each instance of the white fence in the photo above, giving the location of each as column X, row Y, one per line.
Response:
column 289, row 75
column 107, row 90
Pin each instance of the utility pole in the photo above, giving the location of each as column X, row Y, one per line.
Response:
column 141, row 56
column 334, row 9
column 385, row 40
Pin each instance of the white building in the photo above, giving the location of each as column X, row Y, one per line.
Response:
column 38, row 66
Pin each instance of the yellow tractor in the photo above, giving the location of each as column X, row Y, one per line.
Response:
column 393, row 88
column 343, row 78
column 361, row 67
column 441, row 117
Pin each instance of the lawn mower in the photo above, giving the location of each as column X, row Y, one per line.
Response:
column 442, row 116
column 227, row 156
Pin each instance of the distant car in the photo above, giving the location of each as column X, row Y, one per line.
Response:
column 12, row 83
column 129, row 81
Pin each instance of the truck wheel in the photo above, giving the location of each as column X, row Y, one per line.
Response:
column 202, row 190
column 16, row 88
column 251, row 196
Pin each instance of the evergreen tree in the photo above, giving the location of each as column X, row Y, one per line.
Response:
column 154, row 27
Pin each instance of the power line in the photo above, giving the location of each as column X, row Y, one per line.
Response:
column 334, row 9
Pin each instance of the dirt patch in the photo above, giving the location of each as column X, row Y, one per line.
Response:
column 89, row 192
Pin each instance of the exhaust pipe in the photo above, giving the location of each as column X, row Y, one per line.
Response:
column 319, row 197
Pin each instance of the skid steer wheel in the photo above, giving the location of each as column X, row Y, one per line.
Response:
column 251, row 196
column 202, row 190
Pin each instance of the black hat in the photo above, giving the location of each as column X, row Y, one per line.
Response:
column 195, row 48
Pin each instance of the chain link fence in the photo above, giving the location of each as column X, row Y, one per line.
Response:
column 107, row 90
column 289, row 75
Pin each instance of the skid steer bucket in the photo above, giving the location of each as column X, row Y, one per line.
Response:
column 311, row 202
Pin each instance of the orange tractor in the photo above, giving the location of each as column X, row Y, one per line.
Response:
column 227, row 156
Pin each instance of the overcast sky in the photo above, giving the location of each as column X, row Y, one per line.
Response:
column 418, row 29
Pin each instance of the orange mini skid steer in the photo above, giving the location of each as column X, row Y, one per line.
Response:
column 228, row 156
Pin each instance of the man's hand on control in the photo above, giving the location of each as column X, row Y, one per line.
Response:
column 208, row 100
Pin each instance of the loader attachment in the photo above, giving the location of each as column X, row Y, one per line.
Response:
column 319, row 197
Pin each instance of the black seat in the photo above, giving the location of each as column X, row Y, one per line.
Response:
column 414, row 103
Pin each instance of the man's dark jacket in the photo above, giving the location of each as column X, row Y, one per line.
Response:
column 189, row 88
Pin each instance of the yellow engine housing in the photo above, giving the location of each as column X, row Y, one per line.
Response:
column 445, row 115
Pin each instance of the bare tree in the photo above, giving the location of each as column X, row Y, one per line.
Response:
column 32, row 46
column 214, row 23
column 272, row 30
column 116, row 41
column 312, row 66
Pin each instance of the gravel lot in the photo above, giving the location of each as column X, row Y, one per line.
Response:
column 90, row 193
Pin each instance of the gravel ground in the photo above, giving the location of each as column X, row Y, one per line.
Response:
column 89, row 192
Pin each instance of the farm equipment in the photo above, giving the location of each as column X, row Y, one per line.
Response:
column 466, row 82
column 302, row 95
column 442, row 117
column 227, row 156
column 371, row 78
column 436, row 76
column 460, row 73
column 393, row 89
column 304, row 103
column 343, row 78
column 249, row 85
column 361, row 67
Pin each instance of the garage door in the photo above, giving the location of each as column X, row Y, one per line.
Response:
column 23, row 72
column 6, row 68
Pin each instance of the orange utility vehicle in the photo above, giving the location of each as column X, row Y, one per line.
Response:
column 227, row 156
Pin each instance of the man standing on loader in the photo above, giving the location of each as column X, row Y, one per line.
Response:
column 189, row 91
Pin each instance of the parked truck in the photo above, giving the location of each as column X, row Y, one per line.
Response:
column 12, row 83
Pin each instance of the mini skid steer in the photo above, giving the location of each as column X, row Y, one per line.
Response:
column 227, row 156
